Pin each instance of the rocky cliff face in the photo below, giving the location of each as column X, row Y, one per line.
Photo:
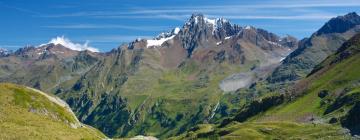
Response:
column 340, row 24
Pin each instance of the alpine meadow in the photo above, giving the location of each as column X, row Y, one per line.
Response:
column 180, row 70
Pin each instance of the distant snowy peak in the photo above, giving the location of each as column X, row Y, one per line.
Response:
column 71, row 45
column 218, row 29
column 4, row 52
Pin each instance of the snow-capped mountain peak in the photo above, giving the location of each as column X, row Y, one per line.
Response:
column 4, row 52
column 204, row 22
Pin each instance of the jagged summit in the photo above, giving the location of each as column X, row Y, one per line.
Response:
column 199, row 18
column 200, row 30
column 196, row 23
column 202, row 21
column 340, row 24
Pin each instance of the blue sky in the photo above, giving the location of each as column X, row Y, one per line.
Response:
column 106, row 24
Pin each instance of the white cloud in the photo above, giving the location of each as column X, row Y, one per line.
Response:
column 74, row 46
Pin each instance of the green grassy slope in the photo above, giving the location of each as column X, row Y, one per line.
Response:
column 172, row 101
column 26, row 114
column 265, row 131
column 338, row 76
column 317, row 107
column 343, row 76
column 149, row 99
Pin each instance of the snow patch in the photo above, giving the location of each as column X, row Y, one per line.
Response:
column 215, row 23
column 248, row 27
column 157, row 42
column 282, row 58
column 214, row 110
column 196, row 19
column 176, row 30
column 228, row 37
column 160, row 39
column 69, row 44
column 274, row 43
column 218, row 43
column 210, row 21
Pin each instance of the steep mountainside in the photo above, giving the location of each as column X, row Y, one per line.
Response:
column 264, row 130
column 136, row 88
column 314, row 108
column 329, row 95
column 27, row 113
column 315, row 49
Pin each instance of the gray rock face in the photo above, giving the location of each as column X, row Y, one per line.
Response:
column 196, row 32
column 340, row 24
column 200, row 31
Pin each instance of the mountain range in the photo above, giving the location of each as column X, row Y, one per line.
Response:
column 207, row 79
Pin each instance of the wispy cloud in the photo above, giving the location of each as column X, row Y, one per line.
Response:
column 113, row 38
column 275, row 9
column 10, row 46
column 107, row 26
column 294, row 17
column 24, row 10
column 183, row 17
